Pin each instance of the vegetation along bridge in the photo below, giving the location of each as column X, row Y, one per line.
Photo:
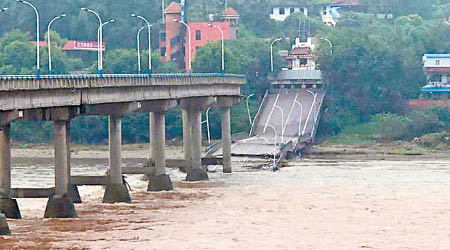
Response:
column 59, row 98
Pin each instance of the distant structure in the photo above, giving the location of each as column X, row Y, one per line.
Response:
column 75, row 45
column 173, row 39
column 302, row 70
column 437, row 69
column 329, row 12
column 281, row 11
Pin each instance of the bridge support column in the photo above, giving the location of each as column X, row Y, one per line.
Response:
column 116, row 191
column 225, row 104
column 73, row 193
column 196, row 172
column 60, row 205
column 8, row 206
column 160, row 181
column 193, row 107
column 226, row 139
column 186, row 136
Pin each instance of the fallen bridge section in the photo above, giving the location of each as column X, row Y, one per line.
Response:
column 286, row 122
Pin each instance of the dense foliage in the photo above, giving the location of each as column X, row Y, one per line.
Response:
column 374, row 69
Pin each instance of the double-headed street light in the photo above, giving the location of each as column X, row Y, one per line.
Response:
column 50, row 71
column 223, row 46
column 271, row 52
column 138, row 38
column 149, row 42
column 99, row 40
column 99, row 31
column 189, row 43
column 38, row 69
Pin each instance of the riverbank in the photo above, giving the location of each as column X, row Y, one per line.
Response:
column 336, row 197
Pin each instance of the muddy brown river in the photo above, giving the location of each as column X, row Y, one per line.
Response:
column 314, row 203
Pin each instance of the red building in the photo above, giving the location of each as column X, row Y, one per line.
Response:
column 174, row 37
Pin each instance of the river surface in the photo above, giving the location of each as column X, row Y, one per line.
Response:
column 311, row 204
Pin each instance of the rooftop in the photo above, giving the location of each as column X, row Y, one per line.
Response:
column 173, row 8
column 230, row 12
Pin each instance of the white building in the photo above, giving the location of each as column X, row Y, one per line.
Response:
column 281, row 12
column 437, row 67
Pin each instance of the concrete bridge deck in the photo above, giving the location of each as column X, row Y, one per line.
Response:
column 59, row 98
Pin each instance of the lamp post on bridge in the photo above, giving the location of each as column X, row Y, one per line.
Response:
column 271, row 52
column 38, row 68
column 99, row 40
column 101, row 44
column 149, row 43
column 139, row 48
column 223, row 45
column 50, row 71
column 189, row 41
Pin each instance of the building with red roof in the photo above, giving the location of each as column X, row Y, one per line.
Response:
column 173, row 39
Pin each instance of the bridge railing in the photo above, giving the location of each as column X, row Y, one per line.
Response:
column 113, row 76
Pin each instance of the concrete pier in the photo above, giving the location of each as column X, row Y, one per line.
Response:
column 73, row 193
column 226, row 139
column 194, row 107
column 60, row 205
column 116, row 191
column 8, row 206
column 160, row 181
column 224, row 104
column 186, row 135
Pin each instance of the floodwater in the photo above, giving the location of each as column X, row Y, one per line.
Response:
column 311, row 204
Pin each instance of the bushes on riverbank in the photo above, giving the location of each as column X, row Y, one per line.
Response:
column 389, row 127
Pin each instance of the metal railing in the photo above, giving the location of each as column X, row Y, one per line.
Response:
column 113, row 76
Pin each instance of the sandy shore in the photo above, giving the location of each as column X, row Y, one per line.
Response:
column 320, row 202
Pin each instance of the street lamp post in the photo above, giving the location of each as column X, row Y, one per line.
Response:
column 149, row 43
column 99, row 41
column 189, row 41
column 138, row 38
column 100, row 33
column 223, row 45
column 50, row 71
column 329, row 42
column 248, row 109
column 38, row 68
column 271, row 52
